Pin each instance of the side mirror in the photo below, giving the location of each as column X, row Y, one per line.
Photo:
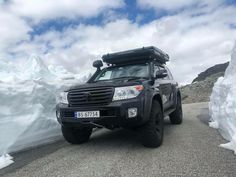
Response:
column 161, row 73
column 97, row 64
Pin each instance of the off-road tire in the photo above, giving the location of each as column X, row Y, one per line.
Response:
column 76, row 135
column 176, row 117
column 152, row 132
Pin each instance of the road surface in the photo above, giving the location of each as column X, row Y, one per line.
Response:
column 190, row 149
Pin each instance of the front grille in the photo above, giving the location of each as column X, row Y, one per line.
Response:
column 90, row 96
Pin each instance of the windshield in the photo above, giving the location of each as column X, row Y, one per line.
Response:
column 128, row 71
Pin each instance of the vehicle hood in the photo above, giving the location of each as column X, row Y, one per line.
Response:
column 112, row 83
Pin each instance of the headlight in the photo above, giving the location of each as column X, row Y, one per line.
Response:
column 122, row 93
column 63, row 98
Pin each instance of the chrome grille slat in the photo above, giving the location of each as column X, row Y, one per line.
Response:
column 96, row 91
column 93, row 89
column 81, row 95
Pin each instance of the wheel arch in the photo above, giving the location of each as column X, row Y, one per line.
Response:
column 179, row 94
column 158, row 98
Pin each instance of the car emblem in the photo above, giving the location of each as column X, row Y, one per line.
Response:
column 87, row 96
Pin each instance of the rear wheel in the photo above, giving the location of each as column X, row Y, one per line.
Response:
column 76, row 135
column 176, row 117
column 152, row 132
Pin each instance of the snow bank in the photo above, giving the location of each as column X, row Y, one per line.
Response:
column 27, row 111
column 223, row 104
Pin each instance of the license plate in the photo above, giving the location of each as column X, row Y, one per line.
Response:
column 87, row 114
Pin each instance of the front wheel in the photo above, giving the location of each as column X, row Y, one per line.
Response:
column 152, row 132
column 76, row 135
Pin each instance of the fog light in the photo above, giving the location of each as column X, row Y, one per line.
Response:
column 132, row 112
column 58, row 114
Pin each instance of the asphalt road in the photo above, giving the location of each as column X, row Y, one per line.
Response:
column 190, row 149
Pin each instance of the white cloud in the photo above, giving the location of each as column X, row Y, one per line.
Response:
column 172, row 5
column 195, row 39
column 13, row 29
column 194, row 43
column 193, row 46
column 51, row 9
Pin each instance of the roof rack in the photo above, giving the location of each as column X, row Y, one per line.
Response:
column 143, row 54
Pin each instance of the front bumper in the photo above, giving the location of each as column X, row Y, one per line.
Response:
column 114, row 114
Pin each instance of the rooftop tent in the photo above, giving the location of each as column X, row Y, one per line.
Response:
column 137, row 55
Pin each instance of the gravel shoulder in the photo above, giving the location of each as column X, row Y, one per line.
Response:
column 190, row 149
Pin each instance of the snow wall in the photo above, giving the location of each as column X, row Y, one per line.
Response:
column 28, row 96
column 222, row 104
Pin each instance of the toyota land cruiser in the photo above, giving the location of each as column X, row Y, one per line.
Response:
column 136, row 90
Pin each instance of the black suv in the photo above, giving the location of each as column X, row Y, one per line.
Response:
column 136, row 90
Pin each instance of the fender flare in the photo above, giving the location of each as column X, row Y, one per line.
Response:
column 178, row 96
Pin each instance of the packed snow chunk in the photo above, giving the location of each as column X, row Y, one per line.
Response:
column 8, row 71
column 222, row 104
column 28, row 95
column 35, row 69
column 230, row 145
column 214, row 124
column 61, row 72
column 5, row 160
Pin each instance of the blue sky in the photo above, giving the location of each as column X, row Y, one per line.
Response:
column 73, row 33
column 131, row 11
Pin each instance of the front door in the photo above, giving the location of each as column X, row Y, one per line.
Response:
column 166, row 89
